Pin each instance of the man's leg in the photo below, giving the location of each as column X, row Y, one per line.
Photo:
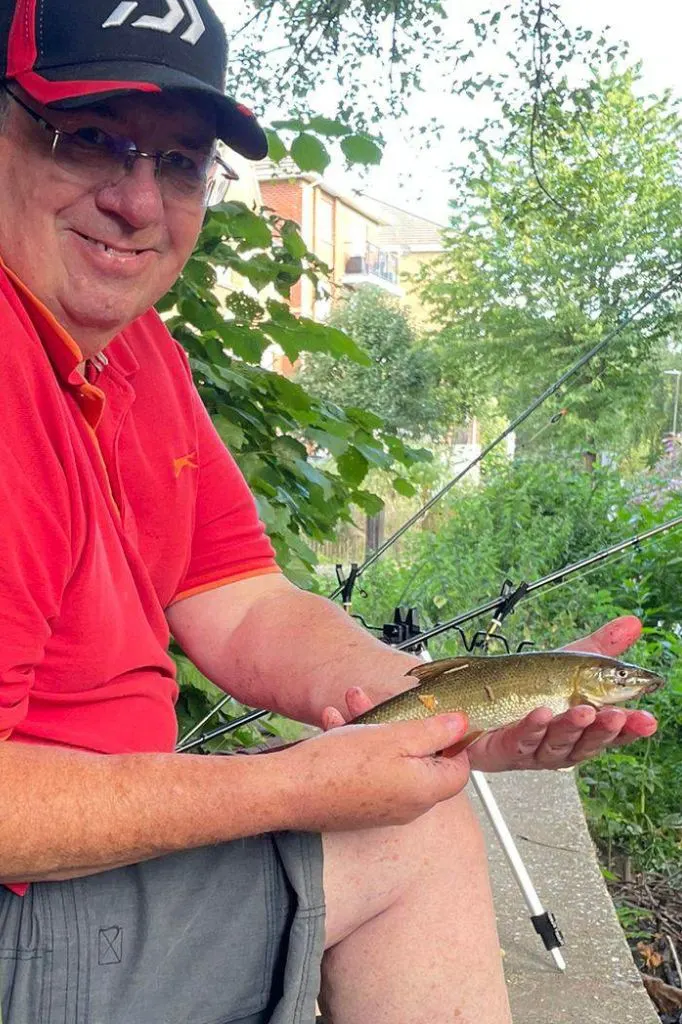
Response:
column 410, row 927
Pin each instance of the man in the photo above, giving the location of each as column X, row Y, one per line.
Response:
column 139, row 885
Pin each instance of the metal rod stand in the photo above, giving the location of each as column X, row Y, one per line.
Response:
column 543, row 921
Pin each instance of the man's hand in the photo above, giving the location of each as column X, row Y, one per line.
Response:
column 541, row 740
column 371, row 775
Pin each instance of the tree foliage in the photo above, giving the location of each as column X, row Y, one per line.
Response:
column 532, row 518
column 553, row 239
column 375, row 51
column 401, row 384
column 282, row 57
column 269, row 422
column 372, row 56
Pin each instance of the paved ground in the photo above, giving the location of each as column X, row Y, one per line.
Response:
column 601, row 984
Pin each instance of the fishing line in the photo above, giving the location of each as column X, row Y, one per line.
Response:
column 588, row 572
column 521, row 418
column 559, row 415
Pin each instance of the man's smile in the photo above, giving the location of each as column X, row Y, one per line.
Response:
column 110, row 247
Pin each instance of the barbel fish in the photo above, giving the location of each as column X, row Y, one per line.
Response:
column 495, row 690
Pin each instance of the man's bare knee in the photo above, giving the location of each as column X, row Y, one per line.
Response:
column 367, row 871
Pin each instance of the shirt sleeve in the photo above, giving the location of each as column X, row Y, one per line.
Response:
column 229, row 542
column 35, row 551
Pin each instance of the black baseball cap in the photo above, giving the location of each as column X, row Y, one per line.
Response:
column 66, row 54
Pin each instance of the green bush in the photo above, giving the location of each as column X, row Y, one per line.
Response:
column 529, row 520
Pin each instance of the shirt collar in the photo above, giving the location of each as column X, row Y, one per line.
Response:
column 64, row 353
column 121, row 356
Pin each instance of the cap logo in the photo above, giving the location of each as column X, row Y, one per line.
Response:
column 165, row 23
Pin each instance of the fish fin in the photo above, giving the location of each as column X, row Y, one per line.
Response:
column 457, row 748
column 433, row 669
column 429, row 700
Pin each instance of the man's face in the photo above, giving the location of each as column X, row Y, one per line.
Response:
column 98, row 255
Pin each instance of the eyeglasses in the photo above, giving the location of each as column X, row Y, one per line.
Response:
column 97, row 158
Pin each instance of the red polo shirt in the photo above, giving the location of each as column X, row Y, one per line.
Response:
column 117, row 498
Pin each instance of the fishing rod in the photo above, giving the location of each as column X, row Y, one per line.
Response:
column 503, row 604
column 357, row 571
column 500, row 606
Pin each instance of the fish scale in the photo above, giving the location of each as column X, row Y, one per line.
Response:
column 496, row 690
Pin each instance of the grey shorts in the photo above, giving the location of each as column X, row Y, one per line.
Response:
column 227, row 933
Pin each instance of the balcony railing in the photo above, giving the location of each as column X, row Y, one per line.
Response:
column 372, row 263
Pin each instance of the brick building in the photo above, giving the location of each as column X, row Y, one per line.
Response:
column 338, row 227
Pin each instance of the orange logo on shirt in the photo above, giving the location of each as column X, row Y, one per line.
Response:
column 190, row 461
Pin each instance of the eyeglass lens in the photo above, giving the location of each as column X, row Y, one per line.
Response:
column 98, row 157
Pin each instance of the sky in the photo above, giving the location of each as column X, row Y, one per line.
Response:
column 653, row 30
column 419, row 180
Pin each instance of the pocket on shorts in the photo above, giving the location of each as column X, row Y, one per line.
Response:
column 193, row 938
column 25, row 960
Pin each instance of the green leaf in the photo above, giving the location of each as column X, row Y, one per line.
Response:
column 189, row 675
column 245, row 342
column 288, row 449
column 291, row 237
column 363, row 417
column 370, row 503
column 360, row 149
column 166, row 303
column 352, row 466
column 288, row 338
column 285, row 728
column 275, row 517
column 375, row 454
column 276, row 148
column 231, row 434
column 200, row 315
column 309, row 153
column 243, row 307
column 330, row 442
column 322, row 338
column 247, row 225
column 291, row 395
column 327, row 126
column 404, row 487
column 293, row 124
column 314, row 476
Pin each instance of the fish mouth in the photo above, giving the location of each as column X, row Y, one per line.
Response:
column 622, row 694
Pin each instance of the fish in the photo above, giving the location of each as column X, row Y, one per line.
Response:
column 496, row 690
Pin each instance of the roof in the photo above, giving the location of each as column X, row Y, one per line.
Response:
column 269, row 170
column 406, row 230
column 287, row 170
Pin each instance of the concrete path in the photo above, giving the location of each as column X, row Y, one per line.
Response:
column 601, row 984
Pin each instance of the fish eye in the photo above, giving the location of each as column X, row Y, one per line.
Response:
column 622, row 673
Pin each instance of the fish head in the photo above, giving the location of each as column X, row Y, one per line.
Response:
column 601, row 681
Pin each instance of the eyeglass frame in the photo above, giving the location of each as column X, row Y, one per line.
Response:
column 132, row 152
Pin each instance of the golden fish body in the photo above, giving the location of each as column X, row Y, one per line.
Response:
column 496, row 690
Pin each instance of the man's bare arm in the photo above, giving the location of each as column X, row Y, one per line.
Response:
column 70, row 813
column 272, row 645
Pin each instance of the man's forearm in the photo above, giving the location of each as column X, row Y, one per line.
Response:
column 297, row 653
column 68, row 813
